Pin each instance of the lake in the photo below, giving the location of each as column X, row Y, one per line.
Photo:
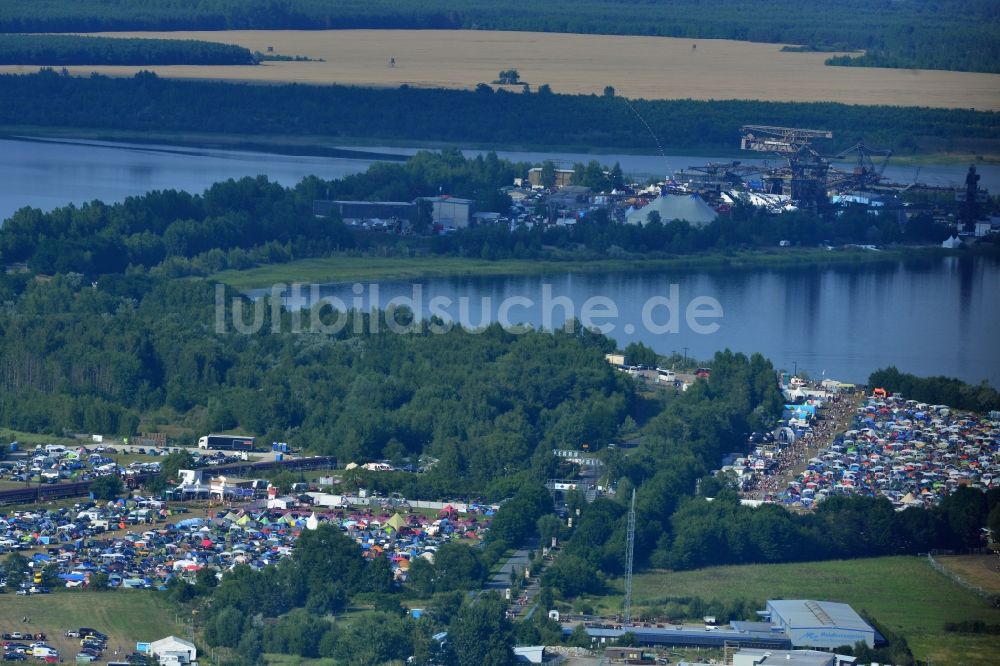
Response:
column 929, row 316
column 47, row 173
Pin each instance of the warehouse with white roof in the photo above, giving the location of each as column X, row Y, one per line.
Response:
column 819, row 624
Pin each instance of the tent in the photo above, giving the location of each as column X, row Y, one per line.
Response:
column 690, row 208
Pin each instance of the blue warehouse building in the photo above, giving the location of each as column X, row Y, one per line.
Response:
column 820, row 624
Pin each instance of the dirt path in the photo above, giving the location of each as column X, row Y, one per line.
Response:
column 835, row 418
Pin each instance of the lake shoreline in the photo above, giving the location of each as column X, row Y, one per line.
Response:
column 347, row 269
column 361, row 147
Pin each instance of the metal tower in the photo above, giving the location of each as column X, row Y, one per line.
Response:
column 629, row 556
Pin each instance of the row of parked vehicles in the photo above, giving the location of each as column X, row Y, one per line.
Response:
column 21, row 646
column 92, row 644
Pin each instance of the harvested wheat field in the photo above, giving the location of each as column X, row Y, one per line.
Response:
column 648, row 67
column 982, row 571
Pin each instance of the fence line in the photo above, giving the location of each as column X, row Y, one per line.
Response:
column 975, row 589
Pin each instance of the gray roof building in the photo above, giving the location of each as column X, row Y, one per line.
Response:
column 758, row 657
column 819, row 624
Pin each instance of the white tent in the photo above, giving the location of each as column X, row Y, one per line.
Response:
column 951, row 243
column 690, row 208
column 173, row 649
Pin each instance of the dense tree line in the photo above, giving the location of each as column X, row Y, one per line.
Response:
column 940, row 34
column 937, row 390
column 262, row 219
column 685, row 440
column 586, row 122
column 596, row 236
column 724, row 532
column 285, row 608
column 85, row 50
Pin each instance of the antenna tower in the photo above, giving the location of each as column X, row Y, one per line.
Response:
column 629, row 556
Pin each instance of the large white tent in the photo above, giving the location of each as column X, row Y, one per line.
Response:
column 690, row 208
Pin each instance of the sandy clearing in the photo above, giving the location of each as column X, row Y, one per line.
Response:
column 648, row 67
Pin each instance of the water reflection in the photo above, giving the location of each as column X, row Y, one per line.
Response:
column 928, row 317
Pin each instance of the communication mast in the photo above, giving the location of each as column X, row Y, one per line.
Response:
column 629, row 556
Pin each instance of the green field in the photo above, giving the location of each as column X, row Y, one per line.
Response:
column 351, row 269
column 126, row 616
column 904, row 594
column 28, row 440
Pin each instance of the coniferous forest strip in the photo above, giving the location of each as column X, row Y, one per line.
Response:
column 481, row 117
column 932, row 34
column 84, row 50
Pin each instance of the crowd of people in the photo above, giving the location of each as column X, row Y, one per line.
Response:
column 774, row 458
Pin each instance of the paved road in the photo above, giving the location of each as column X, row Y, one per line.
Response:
column 519, row 561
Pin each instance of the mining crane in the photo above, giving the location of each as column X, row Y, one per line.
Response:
column 780, row 140
column 807, row 169
column 729, row 172
column 866, row 174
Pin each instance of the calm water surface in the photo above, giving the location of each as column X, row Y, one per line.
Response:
column 929, row 317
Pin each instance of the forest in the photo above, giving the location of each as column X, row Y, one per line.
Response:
column 133, row 352
column 938, row 390
column 934, row 34
column 84, row 50
column 581, row 123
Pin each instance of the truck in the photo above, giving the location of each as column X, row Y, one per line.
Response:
column 226, row 442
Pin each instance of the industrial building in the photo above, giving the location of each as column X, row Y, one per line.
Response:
column 450, row 211
column 757, row 657
column 362, row 211
column 787, row 624
column 563, row 177
column 691, row 636
column 819, row 624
